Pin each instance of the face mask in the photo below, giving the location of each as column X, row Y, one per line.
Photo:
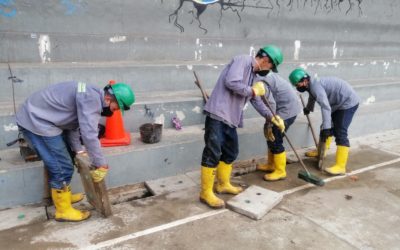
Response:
column 301, row 89
column 262, row 72
column 106, row 112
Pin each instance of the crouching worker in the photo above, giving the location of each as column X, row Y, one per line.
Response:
column 53, row 121
column 224, row 111
column 285, row 104
column 338, row 102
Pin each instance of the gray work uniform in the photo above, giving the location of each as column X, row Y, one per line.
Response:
column 284, row 102
column 332, row 94
column 224, row 111
column 233, row 90
column 71, row 107
column 281, row 95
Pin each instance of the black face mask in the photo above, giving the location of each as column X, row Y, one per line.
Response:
column 262, row 72
column 106, row 112
column 301, row 89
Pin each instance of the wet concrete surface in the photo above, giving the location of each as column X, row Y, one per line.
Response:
column 347, row 213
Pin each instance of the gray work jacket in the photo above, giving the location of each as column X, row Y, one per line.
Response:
column 331, row 93
column 232, row 91
column 281, row 96
column 74, row 107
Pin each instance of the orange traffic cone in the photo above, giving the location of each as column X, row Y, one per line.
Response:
column 115, row 134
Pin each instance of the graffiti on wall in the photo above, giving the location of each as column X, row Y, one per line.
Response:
column 7, row 8
column 237, row 6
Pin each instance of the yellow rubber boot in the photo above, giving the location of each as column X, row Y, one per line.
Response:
column 342, row 154
column 207, row 195
column 269, row 167
column 64, row 209
column 224, row 185
column 280, row 168
column 314, row 153
column 75, row 197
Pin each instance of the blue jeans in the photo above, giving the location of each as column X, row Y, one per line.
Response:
column 221, row 143
column 55, row 155
column 276, row 146
column 341, row 121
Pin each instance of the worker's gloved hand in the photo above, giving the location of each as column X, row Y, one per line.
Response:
column 258, row 89
column 99, row 173
column 306, row 111
column 268, row 132
column 277, row 121
column 324, row 134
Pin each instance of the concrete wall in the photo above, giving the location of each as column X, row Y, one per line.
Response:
column 154, row 45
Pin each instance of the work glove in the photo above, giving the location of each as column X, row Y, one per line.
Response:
column 99, row 173
column 277, row 121
column 306, row 111
column 268, row 132
column 258, row 89
column 324, row 134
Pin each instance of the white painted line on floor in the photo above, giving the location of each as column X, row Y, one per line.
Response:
column 155, row 229
column 176, row 223
column 361, row 170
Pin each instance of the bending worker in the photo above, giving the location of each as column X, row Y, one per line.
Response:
column 54, row 120
column 285, row 103
column 338, row 102
column 224, row 111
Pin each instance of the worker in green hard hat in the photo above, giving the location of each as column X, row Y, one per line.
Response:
column 338, row 102
column 224, row 113
column 55, row 119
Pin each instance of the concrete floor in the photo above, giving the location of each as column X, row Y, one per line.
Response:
column 357, row 211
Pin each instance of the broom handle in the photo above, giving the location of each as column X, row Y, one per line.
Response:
column 197, row 82
column 264, row 99
column 309, row 123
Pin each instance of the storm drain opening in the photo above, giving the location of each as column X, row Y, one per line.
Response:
column 128, row 193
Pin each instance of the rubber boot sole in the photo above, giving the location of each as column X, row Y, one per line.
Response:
column 65, row 220
column 279, row 179
column 213, row 207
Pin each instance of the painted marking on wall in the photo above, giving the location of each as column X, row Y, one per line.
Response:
column 334, row 64
column 197, row 109
column 334, row 50
column 297, row 45
column 71, row 7
column 117, row 39
column 160, row 119
column 369, row 100
column 197, row 52
column 10, row 127
column 44, row 48
column 189, row 67
column 386, row 65
column 7, row 9
column 33, row 35
column 180, row 115
column 252, row 51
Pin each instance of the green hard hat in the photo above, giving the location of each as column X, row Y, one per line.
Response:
column 296, row 76
column 275, row 54
column 124, row 95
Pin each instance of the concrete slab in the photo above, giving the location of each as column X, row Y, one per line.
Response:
column 195, row 176
column 169, row 184
column 255, row 202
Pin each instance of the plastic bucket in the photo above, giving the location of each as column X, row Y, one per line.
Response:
column 150, row 132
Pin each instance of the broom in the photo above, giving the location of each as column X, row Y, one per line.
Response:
column 303, row 174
